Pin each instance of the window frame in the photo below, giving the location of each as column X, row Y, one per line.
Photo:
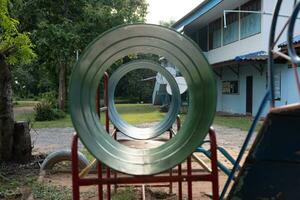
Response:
column 229, row 81
column 248, row 7
column 228, row 23
column 213, row 25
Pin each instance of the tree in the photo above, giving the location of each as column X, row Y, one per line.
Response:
column 59, row 31
column 167, row 23
column 15, row 48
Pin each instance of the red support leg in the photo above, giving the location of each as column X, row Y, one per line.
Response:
column 106, row 77
column 179, row 183
column 115, row 173
column 214, row 164
column 171, row 170
column 75, row 172
column 100, row 185
column 178, row 124
column 108, row 185
column 189, row 182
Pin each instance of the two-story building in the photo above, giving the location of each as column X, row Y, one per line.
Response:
column 234, row 37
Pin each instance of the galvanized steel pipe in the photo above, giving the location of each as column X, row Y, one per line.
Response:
column 131, row 40
column 165, row 123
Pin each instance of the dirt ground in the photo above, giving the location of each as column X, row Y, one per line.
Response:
column 201, row 190
column 49, row 140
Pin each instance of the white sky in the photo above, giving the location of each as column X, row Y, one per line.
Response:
column 167, row 10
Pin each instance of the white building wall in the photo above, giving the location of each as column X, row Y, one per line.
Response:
column 258, row 42
column 241, row 47
column 236, row 103
column 289, row 91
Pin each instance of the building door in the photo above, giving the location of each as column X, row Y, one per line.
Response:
column 249, row 94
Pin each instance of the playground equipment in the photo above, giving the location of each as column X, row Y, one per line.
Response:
column 63, row 155
column 130, row 130
column 272, row 166
column 136, row 39
column 271, row 169
column 140, row 165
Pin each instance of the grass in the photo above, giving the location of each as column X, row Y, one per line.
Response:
column 242, row 123
column 50, row 192
column 18, row 182
column 137, row 114
column 60, row 123
column 132, row 113
column 125, row 194
column 26, row 103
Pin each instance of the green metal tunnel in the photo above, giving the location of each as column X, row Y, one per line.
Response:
column 131, row 40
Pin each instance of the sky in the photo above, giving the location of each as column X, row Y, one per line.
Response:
column 167, row 10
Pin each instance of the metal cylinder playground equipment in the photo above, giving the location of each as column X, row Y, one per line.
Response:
column 128, row 40
column 132, row 131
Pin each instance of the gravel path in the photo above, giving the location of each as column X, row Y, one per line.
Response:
column 50, row 139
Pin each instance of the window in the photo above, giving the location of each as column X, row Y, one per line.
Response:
column 215, row 34
column 230, row 87
column 231, row 32
column 250, row 22
column 202, row 38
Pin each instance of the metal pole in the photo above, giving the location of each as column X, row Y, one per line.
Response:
column 106, row 77
column 270, row 58
column 171, row 170
column 75, row 171
column 214, row 164
column 178, row 123
column 100, row 185
column 189, row 182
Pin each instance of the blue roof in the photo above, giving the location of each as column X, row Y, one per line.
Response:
column 197, row 12
column 259, row 55
column 296, row 40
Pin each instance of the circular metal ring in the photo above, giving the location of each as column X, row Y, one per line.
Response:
column 290, row 35
column 165, row 123
column 131, row 40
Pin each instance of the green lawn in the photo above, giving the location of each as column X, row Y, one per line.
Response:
column 137, row 114
column 242, row 123
column 140, row 113
column 25, row 103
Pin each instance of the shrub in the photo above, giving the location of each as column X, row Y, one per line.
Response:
column 59, row 114
column 50, row 97
column 43, row 111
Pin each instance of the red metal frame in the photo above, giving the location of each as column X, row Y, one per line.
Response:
column 170, row 178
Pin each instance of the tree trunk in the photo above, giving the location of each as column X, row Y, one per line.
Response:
column 6, row 112
column 62, row 87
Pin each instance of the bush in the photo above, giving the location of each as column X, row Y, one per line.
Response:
column 50, row 97
column 59, row 114
column 44, row 111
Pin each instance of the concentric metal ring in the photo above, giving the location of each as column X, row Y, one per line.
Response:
column 290, row 35
column 165, row 123
column 131, row 40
